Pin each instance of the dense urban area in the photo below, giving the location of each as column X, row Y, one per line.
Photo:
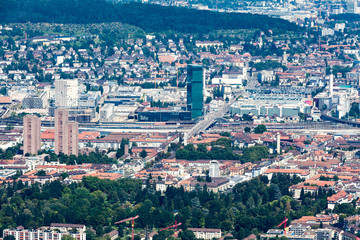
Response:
column 179, row 119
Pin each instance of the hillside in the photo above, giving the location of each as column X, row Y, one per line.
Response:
column 151, row 18
column 350, row 17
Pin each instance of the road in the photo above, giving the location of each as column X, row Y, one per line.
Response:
column 209, row 119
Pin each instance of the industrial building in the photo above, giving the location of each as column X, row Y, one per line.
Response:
column 165, row 115
column 36, row 101
column 286, row 105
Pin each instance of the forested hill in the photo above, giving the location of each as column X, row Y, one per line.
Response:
column 350, row 17
column 151, row 18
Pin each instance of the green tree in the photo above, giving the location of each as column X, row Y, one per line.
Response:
column 247, row 129
column 225, row 134
column 9, row 237
column 64, row 175
column 354, row 110
column 41, row 173
column 143, row 153
column 3, row 91
column 187, row 235
column 67, row 237
column 324, row 107
column 208, row 100
column 9, row 127
column 255, row 153
column 260, row 129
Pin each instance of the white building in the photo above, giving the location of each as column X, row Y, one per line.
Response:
column 214, row 170
column 106, row 112
column 327, row 32
column 231, row 78
column 47, row 233
column 339, row 27
column 266, row 76
column 66, row 93
column 353, row 6
column 206, row 233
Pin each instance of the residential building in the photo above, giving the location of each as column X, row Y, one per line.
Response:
column 339, row 198
column 32, row 134
column 206, row 233
column 66, row 133
column 55, row 232
column 73, row 141
column 61, row 120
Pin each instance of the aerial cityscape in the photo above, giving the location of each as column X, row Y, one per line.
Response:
column 179, row 120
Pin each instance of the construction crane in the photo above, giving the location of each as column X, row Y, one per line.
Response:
column 172, row 226
column 132, row 219
column 284, row 223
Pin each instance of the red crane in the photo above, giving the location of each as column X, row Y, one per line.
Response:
column 132, row 219
column 172, row 226
column 284, row 223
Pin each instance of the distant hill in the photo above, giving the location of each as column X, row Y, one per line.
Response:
column 151, row 18
column 350, row 17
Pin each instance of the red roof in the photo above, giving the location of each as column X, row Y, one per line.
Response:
column 5, row 100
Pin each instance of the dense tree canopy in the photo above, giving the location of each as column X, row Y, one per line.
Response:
column 268, row 65
column 223, row 152
column 354, row 110
column 350, row 17
column 151, row 18
column 251, row 207
column 253, row 154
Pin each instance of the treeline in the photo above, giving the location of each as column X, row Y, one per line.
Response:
column 251, row 207
column 92, row 157
column 221, row 150
column 151, row 18
column 9, row 153
column 350, row 17
column 268, row 65
column 220, row 153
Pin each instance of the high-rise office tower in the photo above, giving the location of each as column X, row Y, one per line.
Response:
column 66, row 133
column 66, row 93
column 195, row 85
column 32, row 134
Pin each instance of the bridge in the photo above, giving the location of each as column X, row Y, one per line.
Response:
column 325, row 115
column 208, row 120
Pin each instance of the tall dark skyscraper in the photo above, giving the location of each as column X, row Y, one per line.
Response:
column 195, row 90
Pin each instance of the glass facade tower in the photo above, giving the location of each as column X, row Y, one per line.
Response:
column 195, row 87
